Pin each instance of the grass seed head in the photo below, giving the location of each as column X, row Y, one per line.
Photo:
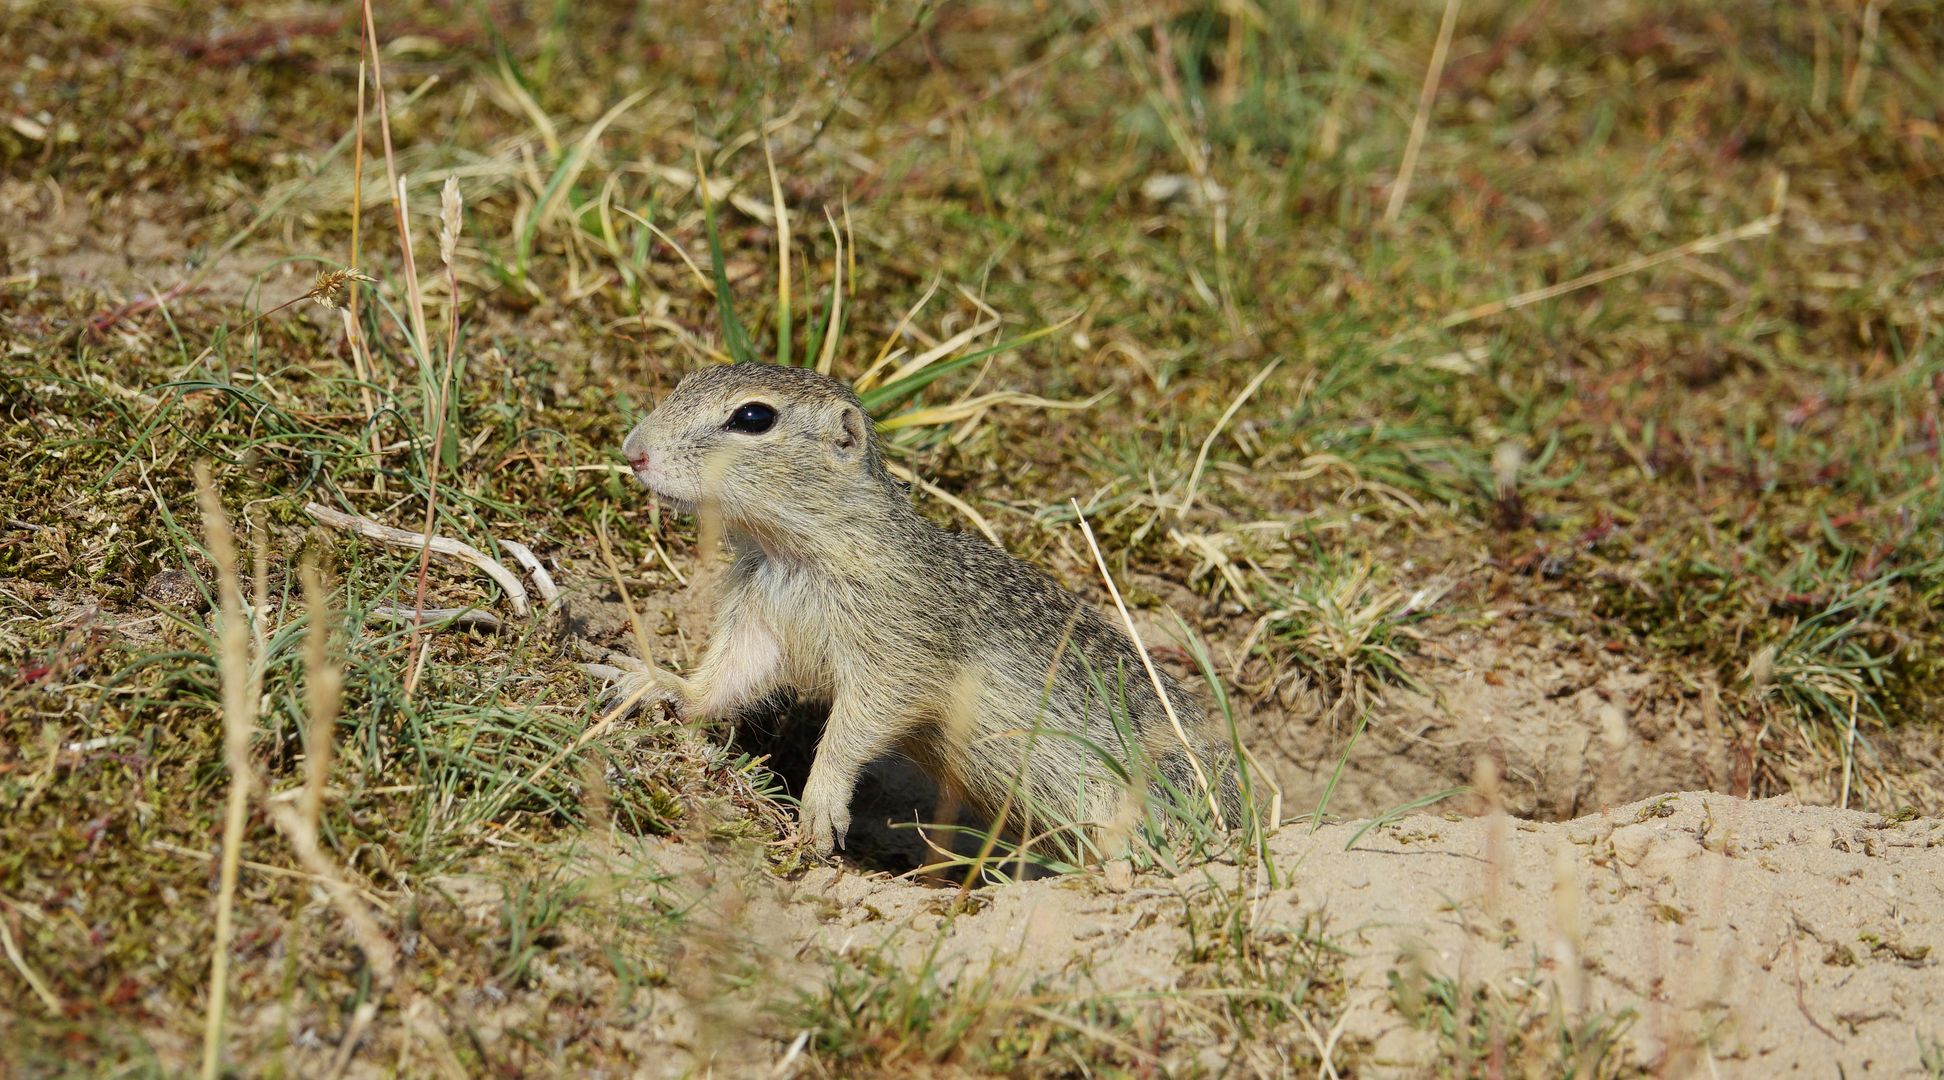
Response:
column 450, row 204
column 332, row 288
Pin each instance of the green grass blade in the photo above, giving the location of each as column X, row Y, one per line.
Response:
column 1336, row 774
column 893, row 394
column 1403, row 808
column 734, row 336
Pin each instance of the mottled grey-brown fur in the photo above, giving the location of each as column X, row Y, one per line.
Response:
column 980, row 667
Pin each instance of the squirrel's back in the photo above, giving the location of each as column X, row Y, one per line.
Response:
column 1053, row 672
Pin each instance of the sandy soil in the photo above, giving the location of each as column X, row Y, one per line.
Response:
column 1571, row 726
column 1738, row 938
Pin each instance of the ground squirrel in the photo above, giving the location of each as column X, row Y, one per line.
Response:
column 982, row 669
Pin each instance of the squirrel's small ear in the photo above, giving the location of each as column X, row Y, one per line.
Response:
column 852, row 434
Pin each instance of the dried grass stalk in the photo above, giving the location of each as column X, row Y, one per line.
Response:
column 239, row 718
column 1433, row 75
column 1201, row 459
column 1167, row 705
column 34, row 982
column 324, row 699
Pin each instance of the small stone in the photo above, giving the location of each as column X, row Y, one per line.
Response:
column 176, row 590
column 1630, row 843
column 1120, row 875
column 1657, row 853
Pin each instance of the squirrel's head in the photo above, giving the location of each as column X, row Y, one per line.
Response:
column 772, row 449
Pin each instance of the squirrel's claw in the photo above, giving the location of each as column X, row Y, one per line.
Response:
column 825, row 815
column 825, row 837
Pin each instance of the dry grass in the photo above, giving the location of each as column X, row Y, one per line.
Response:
column 1264, row 293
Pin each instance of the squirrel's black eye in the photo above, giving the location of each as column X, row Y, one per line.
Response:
column 753, row 418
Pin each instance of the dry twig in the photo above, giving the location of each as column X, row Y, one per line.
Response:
column 516, row 593
column 543, row 582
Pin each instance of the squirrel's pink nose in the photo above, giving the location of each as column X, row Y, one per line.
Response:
column 638, row 461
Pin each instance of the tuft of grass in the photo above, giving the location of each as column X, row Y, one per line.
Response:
column 1275, row 983
column 1265, row 992
column 1930, row 1055
column 1335, row 622
column 875, row 1016
column 1520, row 1029
column 1829, row 670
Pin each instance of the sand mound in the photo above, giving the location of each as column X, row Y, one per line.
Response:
column 1701, row 931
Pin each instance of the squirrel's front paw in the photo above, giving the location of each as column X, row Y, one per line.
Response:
column 825, row 815
column 638, row 687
